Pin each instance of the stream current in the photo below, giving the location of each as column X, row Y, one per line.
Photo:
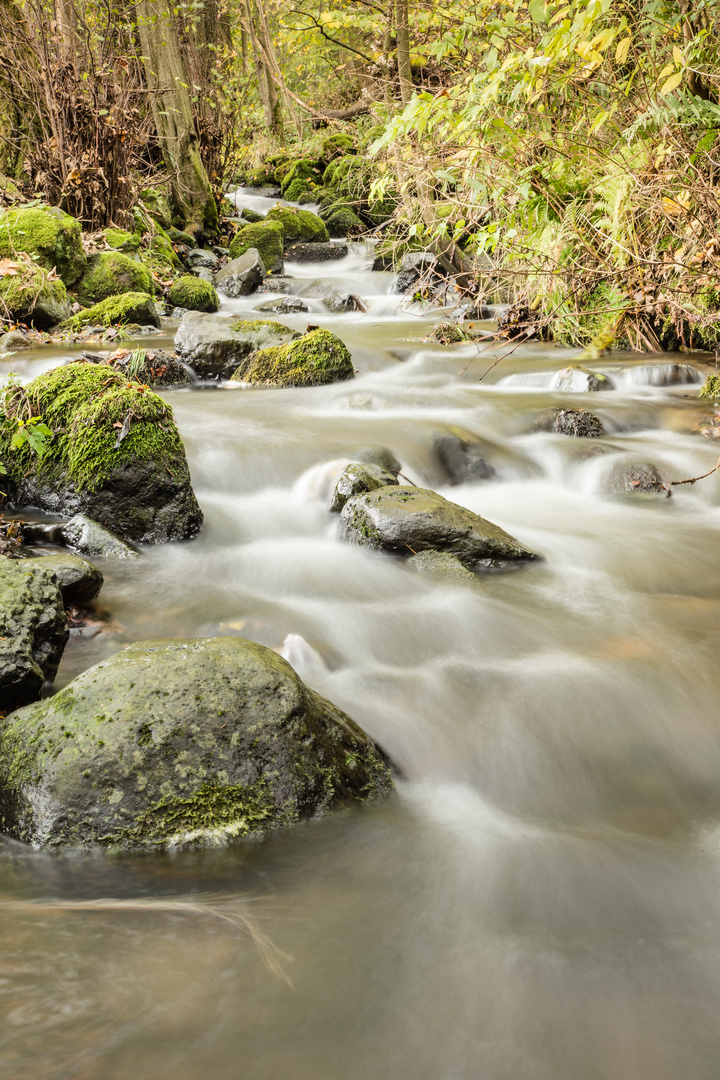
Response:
column 541, row 900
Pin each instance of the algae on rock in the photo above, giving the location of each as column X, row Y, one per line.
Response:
column 267, row 238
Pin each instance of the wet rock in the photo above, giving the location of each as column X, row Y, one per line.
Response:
column 413, row 266
column 638, row 477
column 214, row 345
column 344, row 302
column 463, row 462
column 315, row 359
column 153, row 367
column 380, row 456
column 117, row 456
column 408, row 520
column 202, row 257
column 443, row 564
column 79, row 581
column 578, row 380
column 88, row 537
column 266, row 238
column 665, row 375
column 275, row 285
column 358, row 479
column 480, row 312
column 181, row 744
column 204, row 274
column 251, row 216
column 241, row 276
column 13, row 341
column 33, row 630
column 315, row 252
column 578, row 423
column 284, row 305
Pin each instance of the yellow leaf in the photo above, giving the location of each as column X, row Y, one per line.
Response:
column 678, row 56
column 559, row 15
column 666, row 71
column 622, row 50
column 672, row 83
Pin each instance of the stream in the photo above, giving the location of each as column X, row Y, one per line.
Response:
column 540, row 901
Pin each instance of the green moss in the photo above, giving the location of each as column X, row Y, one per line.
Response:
column 304, row 169
column 298, row 225
column 162, row 253
column 711, row 387
column 157, row 204
column 261, row 177
column 22, row 293
column 267, row 237
column 231, row 810
column 445, row 333
column 340, row 220
column 111, row 273
column 253, row 325
column 54, row 237
column 115, row 309
column 179, row 237
column 313, row 360
column 194, row 293
column 85, row 405
column 121, row 240
column 295, row 190
column 336, row 144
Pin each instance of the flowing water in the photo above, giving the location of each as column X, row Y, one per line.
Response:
column 540, row 901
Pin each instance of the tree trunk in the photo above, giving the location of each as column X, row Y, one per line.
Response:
column 267, row 85
column 172, row 111
column 402, row 31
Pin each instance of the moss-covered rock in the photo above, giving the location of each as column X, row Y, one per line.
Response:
column 161, row 254
column 30, row 295
column 251, row 216
column 295, row 191
column 267, row 238
column 132, row 307
column 214, row 346
column 46, row 232
column 340, row 220
column 298, row 225
column 181, row 743
column 336, row 144
column 313, row 360
column 177, row 236
column 152, row 367
column 157, row 204
column 110, row 273
column 194, row 294
column 304, row 169
column 33, row 630
column 711, row 387
column 122, row 240
column 115, row 454
column 261, row 177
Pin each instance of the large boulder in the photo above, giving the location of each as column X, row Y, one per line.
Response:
column 53, row 237
column 340, row 220
column 267, row 239
column 110, row 273
column 33, row 630
column 181, row 743
column 214, row 345
column 408, row 520
column 88, row 537
column 313, row 360
column 299, row 226
column 78, row 580
column 241, row 276
column 29, row 294
column 578, row 380
column 115, row 454
column 133, row 307
column 356, row 480
column 191, row 293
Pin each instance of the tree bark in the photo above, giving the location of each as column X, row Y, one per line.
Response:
column 172, row 110
column 402, row 32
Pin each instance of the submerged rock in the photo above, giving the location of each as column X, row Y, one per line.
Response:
column 33, row 630
column 90, row 538
column 115, row 454
column 640, row 477
column 241, row 276
column 463, row 462
column 578, row 423
column 284, row 305
column 181, row 743
column 357, row 479
column 313, row 360
column 344, row 302
column 442, row 564
column 579, row 380
column 79, row 581
column 378, row 455
column 408, row 520
column 214, row 345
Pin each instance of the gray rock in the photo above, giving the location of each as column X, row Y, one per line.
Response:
column 88, row 537
column 181, row 744
column 79, row 581
column 408, row 520
column 205, row 274
column 343, row 302
column 319, row 252
column 13, row 341
column 380, row 456
column 443, row 564
column 48, row 310
column 578, row 423
column 159, row 368
column 241, row 276
column 202, row 257
column 357, row 479
column 214, row 345
column 578, row 380
column 33, row 630
column 284, row 305
column 275, row 285
column 637, row 477
column 463, row 462
column 412, row 267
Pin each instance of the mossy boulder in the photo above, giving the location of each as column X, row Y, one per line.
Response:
column 194, row 294
column 46, row 232
column 296, row 190
column 111, row 273
column 157, row 204
column 298, row 225
column 33, row 630
column 357, row 479
column 122, row 240
column 115, row 454
column 408, row 520
column 303, row 170
column 30, row 295
column 251, row 216
column 267, row 238
column 313, row 360
column 177, row 236
column 214, row 346
column 340, row 220
column 336, row 144
column 181, row 744
column 260, row 177
column 78, row 580
column 135, row 307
